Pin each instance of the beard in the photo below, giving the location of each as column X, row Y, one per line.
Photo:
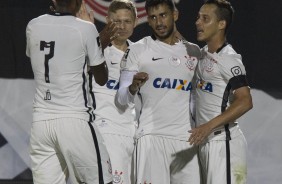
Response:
column 166, row 35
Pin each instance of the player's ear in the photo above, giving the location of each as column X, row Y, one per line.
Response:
column 222, row 24
column 136, row 22
column 175, row 15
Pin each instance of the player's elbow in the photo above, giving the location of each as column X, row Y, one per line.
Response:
column 248, row 104
column 100, row 73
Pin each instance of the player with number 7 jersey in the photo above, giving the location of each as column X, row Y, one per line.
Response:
column 64, row 142
column 59, row 64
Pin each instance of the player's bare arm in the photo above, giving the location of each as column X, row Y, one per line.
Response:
column 138, row 80
column 100, row 73
column 242, row 103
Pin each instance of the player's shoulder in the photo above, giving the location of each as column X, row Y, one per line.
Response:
column 129, row 42
column 229, row 54
column 38, row 19
column 192, row 49
column 84, row 25
column 140, row 46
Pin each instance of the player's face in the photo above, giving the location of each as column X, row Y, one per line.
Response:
column 208, row 25
column 161, row 19
column 125, row 22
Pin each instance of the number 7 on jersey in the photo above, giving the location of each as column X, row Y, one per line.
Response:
column 50, row 45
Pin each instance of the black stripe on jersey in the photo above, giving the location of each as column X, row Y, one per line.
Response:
column 91, row 90
column 85, row 93
column 238, row 81
column 99, row 160
column 141, row 99
column 227, row 132
column 136, row 160
column 98, row 41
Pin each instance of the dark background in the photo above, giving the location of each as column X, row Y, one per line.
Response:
column 255, row 34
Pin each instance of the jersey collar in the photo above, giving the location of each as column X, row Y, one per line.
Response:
column 60, row 14
column 220, row 48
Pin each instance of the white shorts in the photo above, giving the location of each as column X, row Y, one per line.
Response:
column 224, row 162
column 166, row 161
column 68, row 147
column 120, row 149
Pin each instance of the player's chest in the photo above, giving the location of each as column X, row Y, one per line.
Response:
column 167, row 62
column 208, row 69
column 113, row 60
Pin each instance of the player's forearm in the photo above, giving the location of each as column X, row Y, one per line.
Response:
column 123, row 95
column 235, row 111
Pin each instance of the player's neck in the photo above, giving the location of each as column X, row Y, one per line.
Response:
column 64, row 10
column 215, row 44
column 121, row 45
column 171, row 40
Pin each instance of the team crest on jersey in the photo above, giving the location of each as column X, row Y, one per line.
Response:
column 174, row 61
column 209, row 64
column 117, row 177
column 191, row 62
column 100, row 8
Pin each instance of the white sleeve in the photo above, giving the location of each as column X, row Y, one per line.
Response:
column 231, row 66
column 94, row 51
column 123, row 96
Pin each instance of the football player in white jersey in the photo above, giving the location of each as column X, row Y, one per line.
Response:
column 117, row 125
column 159, row 69
column 222, row 96
column 63, row 142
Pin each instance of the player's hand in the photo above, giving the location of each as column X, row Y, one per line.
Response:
column 138, row 80
column 108, row 34
column 199, row 134
column 84, row 14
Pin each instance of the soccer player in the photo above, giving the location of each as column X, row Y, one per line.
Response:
column 64, row 142
column 222, row 96
column 159, row 70
column 117, row 125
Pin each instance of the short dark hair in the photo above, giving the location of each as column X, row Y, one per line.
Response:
column 152, row 3
column 63, row 3
column 123, row 4
column 67, row 3
column 224, row 11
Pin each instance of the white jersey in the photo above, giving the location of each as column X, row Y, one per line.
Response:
column 108, row 117
column 60, row 63
column 165, row 96
column 217, row 75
